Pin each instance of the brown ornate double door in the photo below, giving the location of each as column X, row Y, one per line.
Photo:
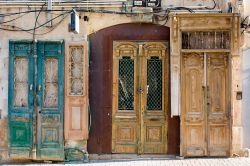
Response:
column 140, row 92
column 205, row 116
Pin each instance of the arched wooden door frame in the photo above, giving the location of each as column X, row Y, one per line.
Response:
column 100, row 82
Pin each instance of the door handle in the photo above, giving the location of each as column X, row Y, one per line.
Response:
column 154, row 119
column 39, row 88
column 31, row 87
column 208, row 96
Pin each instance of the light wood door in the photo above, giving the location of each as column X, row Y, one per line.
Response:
column 139, row 97
column 205, row 101
column 218, row 105
column 76, row 92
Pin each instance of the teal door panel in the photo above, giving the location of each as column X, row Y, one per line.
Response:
column 20, row 100
column 36, row 100
column 50, row 97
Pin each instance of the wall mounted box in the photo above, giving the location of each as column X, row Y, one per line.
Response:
column 147, row 3
column 74, row 22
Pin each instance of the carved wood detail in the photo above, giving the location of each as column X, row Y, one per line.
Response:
column 141, row 128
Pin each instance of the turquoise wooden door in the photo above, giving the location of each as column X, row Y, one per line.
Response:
column 20, row 103
column 36, row 100
column 50, row 101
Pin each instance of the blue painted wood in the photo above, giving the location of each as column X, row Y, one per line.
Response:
column 50, row 142
column 20, row 117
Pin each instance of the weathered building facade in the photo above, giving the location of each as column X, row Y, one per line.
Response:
column 134, row 80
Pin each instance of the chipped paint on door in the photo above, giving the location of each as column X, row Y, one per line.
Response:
column 205, row 112
column 20, row 103
column 36, row 102
column 139, row 97
column 50, row 101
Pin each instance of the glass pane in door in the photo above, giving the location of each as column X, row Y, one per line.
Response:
column 126, row 84
column 154, row 83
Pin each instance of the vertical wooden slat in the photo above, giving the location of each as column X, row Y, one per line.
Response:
column 76, row 104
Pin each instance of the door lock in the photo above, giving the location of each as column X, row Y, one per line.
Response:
column 140, row 90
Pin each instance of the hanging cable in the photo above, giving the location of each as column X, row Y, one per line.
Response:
column 212, row 7
column 14, row 19
column 34, row 31
column 244, row 25
column 31, row 29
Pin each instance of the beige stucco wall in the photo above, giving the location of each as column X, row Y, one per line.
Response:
column 246, row 78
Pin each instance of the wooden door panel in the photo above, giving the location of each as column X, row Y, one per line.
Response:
column 218, row 111
column 125, row 137
column 76, row 93
column 139, row 97
column 193, row 118
column 50, row 101
column 219, row 143
column 124, row 115
column 154, row 137
column 20, row 104
column 154, row 78
column 194, row 139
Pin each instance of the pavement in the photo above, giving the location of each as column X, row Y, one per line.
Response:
column 239, row 161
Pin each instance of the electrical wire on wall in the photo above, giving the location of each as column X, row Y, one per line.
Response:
column 159, row 15
column 244, row 25
column 34, row 30
column 212, row 7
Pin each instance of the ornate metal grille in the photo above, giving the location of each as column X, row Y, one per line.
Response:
column 51, row 83
column 126, row 84
column 76, row 70
column 154, row 84
column 206, row 40
column 21, row 82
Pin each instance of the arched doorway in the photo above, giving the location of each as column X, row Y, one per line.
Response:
column 101, row 74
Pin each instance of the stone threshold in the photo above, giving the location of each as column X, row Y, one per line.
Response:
column 129, row 156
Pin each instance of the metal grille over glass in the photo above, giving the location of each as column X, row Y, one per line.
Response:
column 154, row 84
column 206, row 40
column 76, row 72
column 126, row 84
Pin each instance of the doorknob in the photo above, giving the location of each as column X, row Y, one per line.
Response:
column 39, row 110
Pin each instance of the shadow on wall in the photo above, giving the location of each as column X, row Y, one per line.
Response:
column 246, row 98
